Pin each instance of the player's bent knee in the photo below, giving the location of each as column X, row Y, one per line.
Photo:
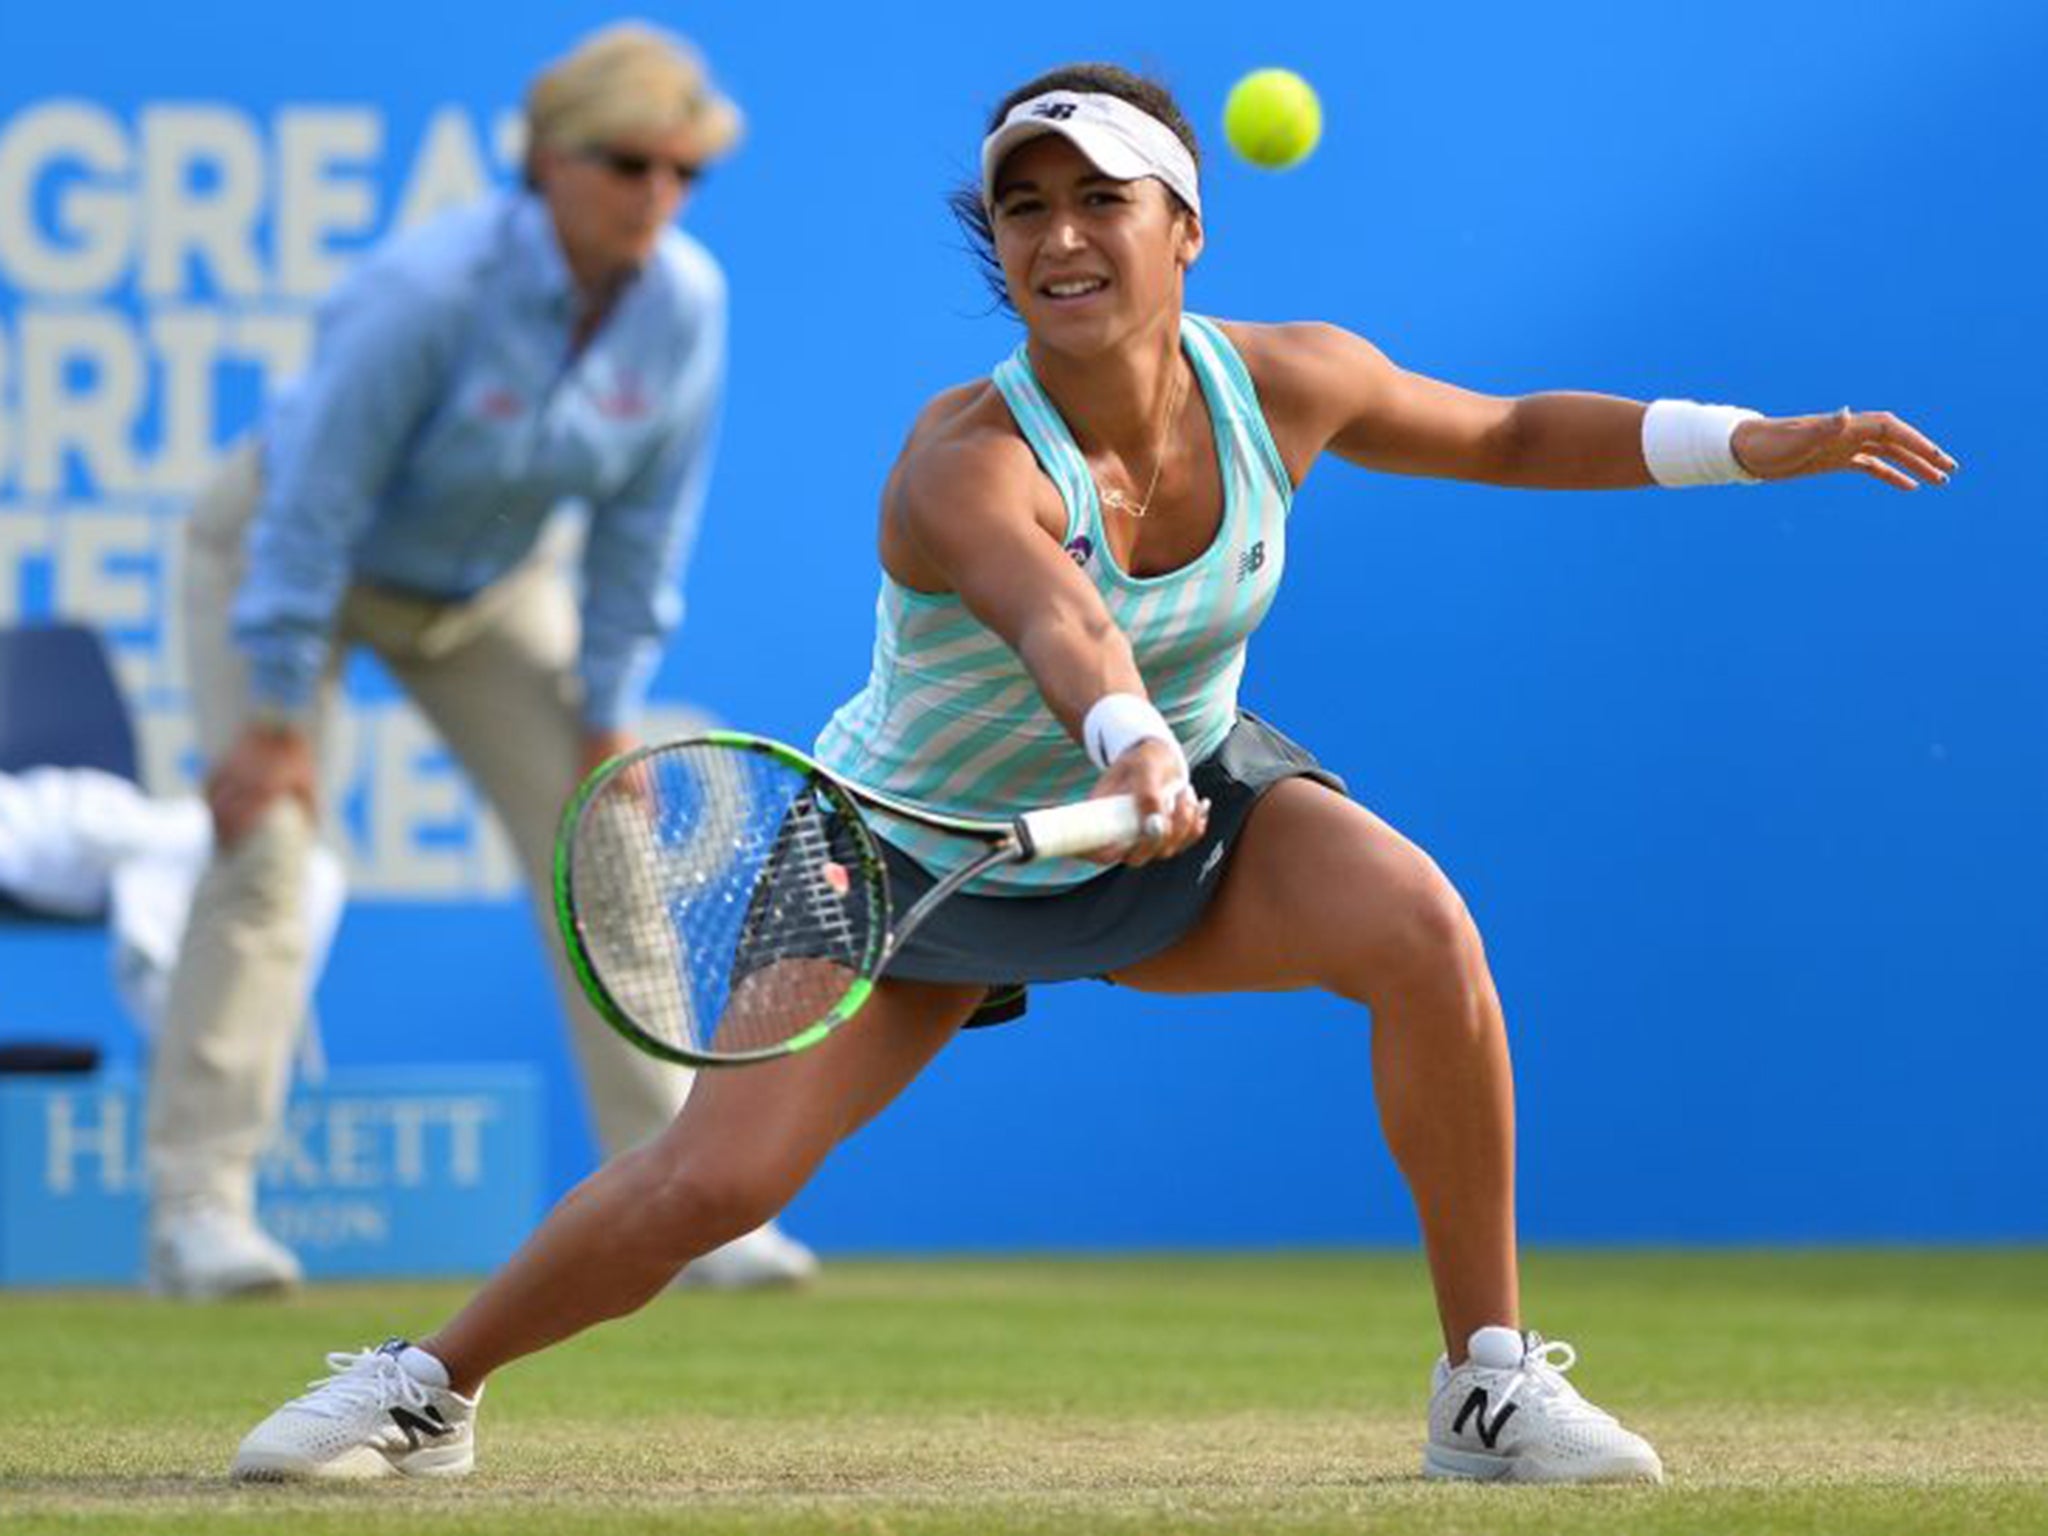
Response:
column 700, row 1207
column 1424, row 936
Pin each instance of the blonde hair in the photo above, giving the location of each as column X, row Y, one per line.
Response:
column 624, row 79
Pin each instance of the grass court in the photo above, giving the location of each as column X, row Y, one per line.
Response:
column 1802, row 1391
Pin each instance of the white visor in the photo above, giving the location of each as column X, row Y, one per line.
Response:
column 1120, row 140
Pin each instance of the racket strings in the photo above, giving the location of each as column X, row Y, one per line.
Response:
column 804, row 935
column 725, row 904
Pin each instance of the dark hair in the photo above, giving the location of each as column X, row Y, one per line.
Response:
column 1147, row 95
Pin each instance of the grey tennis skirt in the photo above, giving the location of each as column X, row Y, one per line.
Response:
column 1121, row 916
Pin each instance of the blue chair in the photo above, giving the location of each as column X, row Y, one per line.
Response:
column 60, row 707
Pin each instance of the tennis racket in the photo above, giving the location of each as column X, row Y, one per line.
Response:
column 723, row 899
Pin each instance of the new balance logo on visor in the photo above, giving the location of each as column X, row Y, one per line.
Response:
column 1475, row 1408
column 1058, row 111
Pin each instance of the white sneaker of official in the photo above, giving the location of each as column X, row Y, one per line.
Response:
column 210, row 1252
column 373, row 1417
column 1508, row 1415
column 764, row 1258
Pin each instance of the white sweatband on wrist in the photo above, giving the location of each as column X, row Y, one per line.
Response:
column 1117, row 722
column 1686, row 443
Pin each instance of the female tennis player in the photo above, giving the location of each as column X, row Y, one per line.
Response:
column 1074, row 552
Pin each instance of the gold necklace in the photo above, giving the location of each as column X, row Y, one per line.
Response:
column 1115, row 499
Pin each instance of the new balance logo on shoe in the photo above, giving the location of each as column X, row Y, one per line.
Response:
column 1475, row 1408
column 429, row 1425
column 1559, row 1438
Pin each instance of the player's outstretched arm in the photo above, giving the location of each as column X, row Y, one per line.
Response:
column 1327, row 390
column 1570, row 441
column 961, row 515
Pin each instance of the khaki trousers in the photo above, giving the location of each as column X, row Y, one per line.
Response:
column 496, row 677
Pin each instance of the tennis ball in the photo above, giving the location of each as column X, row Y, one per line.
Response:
column 1272, row 118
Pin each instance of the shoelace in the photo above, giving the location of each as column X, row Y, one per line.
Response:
column 368, row 1379
column 1544, row 1362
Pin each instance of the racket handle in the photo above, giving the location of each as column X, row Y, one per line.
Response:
column 1082, row 827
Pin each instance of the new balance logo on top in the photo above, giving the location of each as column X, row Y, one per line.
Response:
column 429, row 1425
column 1475, row 1409
column 1251, row 561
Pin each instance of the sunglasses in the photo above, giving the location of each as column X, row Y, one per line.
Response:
column 631, row 165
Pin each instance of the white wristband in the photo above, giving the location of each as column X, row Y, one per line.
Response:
column 1117, row 722
column 1686, row 443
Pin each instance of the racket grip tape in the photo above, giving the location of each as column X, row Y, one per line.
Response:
column 1083, row 827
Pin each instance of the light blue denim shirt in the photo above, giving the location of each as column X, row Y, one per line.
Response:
column 442, row 420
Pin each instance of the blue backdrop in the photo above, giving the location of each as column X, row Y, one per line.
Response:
column 1745, row 787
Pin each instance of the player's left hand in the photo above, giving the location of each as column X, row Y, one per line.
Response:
column 1874, row 443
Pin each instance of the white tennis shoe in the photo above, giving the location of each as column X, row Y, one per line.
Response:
column 211, row 1252
column 371, row 1418
column 1508, row 1415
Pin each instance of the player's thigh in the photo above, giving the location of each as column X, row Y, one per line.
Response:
column 1319, row 892
column 772, row 1123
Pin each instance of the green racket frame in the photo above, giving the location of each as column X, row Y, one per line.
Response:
column 870, row 963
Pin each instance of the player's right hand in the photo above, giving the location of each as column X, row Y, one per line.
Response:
column 1174, row 819
column 265, row 762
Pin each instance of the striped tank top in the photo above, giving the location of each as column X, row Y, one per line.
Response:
column 951, row 722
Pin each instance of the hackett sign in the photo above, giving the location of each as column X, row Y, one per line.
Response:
column 414, row 1171
column 93, row 1139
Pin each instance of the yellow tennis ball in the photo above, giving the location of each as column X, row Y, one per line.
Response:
column 1272, row 118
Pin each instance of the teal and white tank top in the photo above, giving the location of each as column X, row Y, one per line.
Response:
column 951, row 722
